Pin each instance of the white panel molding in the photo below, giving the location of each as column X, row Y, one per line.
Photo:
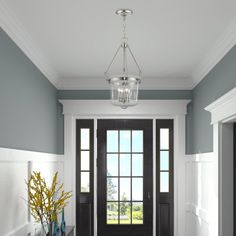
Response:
column 222, row 46
column 198, row 212
column 223, row 109
column 16, row 166
column 22, row 230
column 147, row 83
column 16, row 155
column 12, row 26
column 201, row 172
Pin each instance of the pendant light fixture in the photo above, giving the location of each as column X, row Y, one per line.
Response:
column 124, row 87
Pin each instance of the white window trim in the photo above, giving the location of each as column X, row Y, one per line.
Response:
column 223, row 110
column 152, row 109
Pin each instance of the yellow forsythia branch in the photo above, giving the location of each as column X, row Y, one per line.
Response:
column 45, row 202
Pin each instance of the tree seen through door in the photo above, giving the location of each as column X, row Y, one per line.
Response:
column 124, row 176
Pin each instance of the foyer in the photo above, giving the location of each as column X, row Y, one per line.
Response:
column 163, row 167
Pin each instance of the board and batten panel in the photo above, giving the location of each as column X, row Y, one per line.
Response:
column 201, row 195
column 15, row 168
column 14, row 212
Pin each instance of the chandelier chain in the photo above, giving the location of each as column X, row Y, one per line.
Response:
column 124, row 38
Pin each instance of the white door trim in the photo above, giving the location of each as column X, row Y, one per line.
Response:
column 223, row 110
column 152, row 109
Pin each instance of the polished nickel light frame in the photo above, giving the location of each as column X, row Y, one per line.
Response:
column 124, row 86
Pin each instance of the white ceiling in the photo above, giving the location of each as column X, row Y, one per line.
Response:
column 72, row 41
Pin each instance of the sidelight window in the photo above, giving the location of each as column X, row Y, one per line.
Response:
column 85, row 160
column 164, row 160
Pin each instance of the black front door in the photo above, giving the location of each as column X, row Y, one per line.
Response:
column 125, row 177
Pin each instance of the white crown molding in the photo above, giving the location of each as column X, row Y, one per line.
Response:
column 84, row 83
column 222, row 46
column 15, row 30
column 11, row 25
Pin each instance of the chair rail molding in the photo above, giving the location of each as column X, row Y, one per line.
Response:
column 223, row 114
column 150, row 109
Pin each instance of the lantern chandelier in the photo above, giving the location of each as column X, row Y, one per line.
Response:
column 123, row 85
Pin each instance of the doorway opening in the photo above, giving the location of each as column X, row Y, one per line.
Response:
column 125, row 177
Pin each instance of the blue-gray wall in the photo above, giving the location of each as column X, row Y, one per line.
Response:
column 29, row 111
column 31, row 116
column 143, row 94
column 221, row 79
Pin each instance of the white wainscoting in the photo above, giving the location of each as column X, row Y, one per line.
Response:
column 15, row 167
column 201, row 195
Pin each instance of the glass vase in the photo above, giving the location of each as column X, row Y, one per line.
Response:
column 47, row 229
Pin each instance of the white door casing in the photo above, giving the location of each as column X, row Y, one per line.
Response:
column 151, row 109
column 223, row 114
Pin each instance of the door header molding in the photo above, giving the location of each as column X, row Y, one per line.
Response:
column 223, row 109
column 144, row 107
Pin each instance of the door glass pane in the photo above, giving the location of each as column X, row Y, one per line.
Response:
column 137, row 164
column 125, row 213
column 124, row 168
column 112, row 141
column 164, row 138
column 112, row 165
column 125, row 141
column 125, row 189
column 137, row 141
column 112, row 189
column 84, row 157
column 125, row 162
column 112, row 213
column 84, row 138
column 137, row 213
column 84, row 182
column 137, row 189
column 164, row 182
column 164, row 160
